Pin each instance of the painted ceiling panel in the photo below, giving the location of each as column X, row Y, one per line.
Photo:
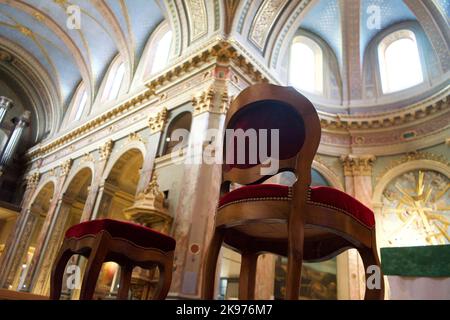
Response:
column 43, row 43
column 144, row 17
column 116, row 7
column 391, row 12
column 324, row 21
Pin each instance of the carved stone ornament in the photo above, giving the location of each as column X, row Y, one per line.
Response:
column 105, row 150
column 148, row 208
column 157, row 122
column 358, row 165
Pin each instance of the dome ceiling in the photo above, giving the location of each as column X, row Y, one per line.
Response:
column 391, row 13
column 35, row 32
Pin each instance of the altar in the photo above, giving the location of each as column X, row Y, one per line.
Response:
column 417, row 273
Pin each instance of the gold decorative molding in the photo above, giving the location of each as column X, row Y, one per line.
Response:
column 65, row 167
column 33, row 180
column 105, row 150
column 416, row 112
column 52, row 172
column 358, row 165
column 222, row 51
column 87, row 157
column 91, row 125
column 157, row 122
column 264, row 20
column 134, row 136
column 414, row 156
column 210, row 101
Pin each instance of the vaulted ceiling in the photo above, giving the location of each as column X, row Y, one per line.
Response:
column 37, row 46
column 107, row 28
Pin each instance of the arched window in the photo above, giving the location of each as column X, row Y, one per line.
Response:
column 399, row 59
column 182, row 121
column 162, row 52
column 79, row 103
column 114, row 82
column 306, row 65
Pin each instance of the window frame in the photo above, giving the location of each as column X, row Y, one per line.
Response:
column 319, row 86
column 381, row 48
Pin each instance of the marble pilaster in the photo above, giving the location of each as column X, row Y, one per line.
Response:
column 197, row 204
column 358, row 183
column 15, row 237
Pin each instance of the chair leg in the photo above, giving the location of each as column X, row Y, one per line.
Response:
column 370, row 257
column 165, row 279
column 247, row 278
column 295, row 260
column 95, row 262
column 57, row 274
column 125, row 280
column 209, row 271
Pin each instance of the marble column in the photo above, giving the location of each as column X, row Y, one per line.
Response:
column 5, row 105
column 93, row 195
column 196, row 208
column 13, row 142
column 17, row 236
column 47, row 228
column 156, row 124
column 40, row 275
column 358, row 183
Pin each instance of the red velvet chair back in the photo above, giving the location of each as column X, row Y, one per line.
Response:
column 266, row 106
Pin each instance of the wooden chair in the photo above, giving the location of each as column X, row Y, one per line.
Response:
column 127, row 244
column 301, row 222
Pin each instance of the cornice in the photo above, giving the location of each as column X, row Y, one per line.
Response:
column 231, row 53
column 381, row 121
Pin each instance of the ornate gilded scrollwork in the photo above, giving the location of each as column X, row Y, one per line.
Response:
column 157, row 122
column 416, row 205
column 105, row 150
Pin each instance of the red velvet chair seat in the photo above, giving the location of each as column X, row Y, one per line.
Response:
column 325, row 196
column 139, row 235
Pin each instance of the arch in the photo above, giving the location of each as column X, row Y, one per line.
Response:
column 399, row 61
column 306, row 56
column 162, row 36
column 78, row 106
column 430, row 65
column 119, row 153
column 329, row 80
column 71, row 184
column 328, row 174
column 403, row 168
column 45, row 186
column 115, row 81
column 183, row 121
column 74, row 172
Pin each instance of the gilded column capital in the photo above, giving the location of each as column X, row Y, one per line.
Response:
column 157, row 122
column 358, row 165
column 134, row 136
column 65, row 167
column 211, row 100
column 105, row 150
column 33, row 180
column 87, row 157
